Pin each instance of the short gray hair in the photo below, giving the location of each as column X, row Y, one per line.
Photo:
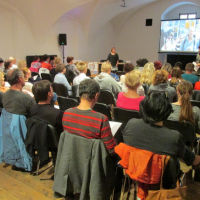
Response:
column 13, row 76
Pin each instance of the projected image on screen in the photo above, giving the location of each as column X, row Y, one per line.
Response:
column 180, row 35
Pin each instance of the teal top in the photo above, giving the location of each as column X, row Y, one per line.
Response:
column 190, row 77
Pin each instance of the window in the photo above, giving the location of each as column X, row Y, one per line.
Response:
column 188, row 16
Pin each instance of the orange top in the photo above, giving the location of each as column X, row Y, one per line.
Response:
column 46, row 65
column 197, row 85
column 141, row 165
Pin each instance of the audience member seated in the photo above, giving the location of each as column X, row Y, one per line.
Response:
column 27, row 74
column 168, row 68
column 2, row 83
column 128, row 67
column 152, row 136
column 52, row 61
column 188, row 76
column 160, row 83
column 22, row 64
column 35, row 65
column 138, row 63
column 178, row 64
column 183, row 110
column 60, row 77
column 143, row 62
column 45, row 64
column 157, row 65
column 70, row 66
column 197, row 85
column 14, row 100
column 106, row 81
column 176, row 77
column 82, row 68
column 44, row 110
column 53, row 72
column 147, row 74
column 84, row 121
column 131, row 99
column 14, row 62
column 1, row 64
column 7, row 66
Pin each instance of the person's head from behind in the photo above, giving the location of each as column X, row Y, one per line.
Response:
column 13, row 59
column 16, row 77
column 46, row 58
column 189, row 67
column 128, row 67
column 7, row 64
column 106, row 67
column 36, row 58
column 1, row 62
column 155, row 107
column 2, row 83
column 147, row 73
column 138, row 62
column 176, row 73
column 22, row 64
column 184, row 91
column 27, row 73
column 60, row 68
column 89, row 91
column 143, row 62
column 113, row 50
column 57, row 61
column 82, row 67
column 160, row 76
column 157, row 65
column 43, row 91
column 70, row 60
column 178, row 64
column 167, row 67
column 132, row 80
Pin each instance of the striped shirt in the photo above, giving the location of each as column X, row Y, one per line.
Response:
column 89, row 124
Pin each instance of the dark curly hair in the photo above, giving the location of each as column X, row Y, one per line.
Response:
column 155, row 107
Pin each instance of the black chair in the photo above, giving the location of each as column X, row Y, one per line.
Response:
column 123, row 115
column 196, row 95
column 46, row 77
column 146, row 88
column 75, row 92
column 175, row 99
column 66, row 103
column 60, row 89
column 195, row 103
column 70, row 76
column 88, row 73
column 119, row 73
column 104, row 109
column 34, row 74
column 185, row 128
column 106, row 97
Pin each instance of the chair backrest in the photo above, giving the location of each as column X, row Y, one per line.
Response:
column 60, row 89
column 185, row 128
column 70, row 76
column 119, row 73
column 106, row 97
column 46, row 77
column 88, row 73
column 34, row 74
column 146, row 88
column 123, row 115
column 66, row 103
column 196, row 95
column 43, row 70
column 104, row 109
column 195, row 103
column 75, row 90
column 175, row 99
column 52, row 138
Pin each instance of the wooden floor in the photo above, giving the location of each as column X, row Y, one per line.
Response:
column 16, row 185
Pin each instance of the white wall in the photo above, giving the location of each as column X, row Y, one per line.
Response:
column 139, row 41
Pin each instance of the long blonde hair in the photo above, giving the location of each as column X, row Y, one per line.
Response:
column 185, row 90
column 147, row 73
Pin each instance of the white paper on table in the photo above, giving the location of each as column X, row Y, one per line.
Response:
column 114, row 126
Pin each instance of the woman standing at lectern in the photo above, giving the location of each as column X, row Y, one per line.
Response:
column 198, row 57
column 113, row 58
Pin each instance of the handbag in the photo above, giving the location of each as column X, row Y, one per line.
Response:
column 178, row 193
